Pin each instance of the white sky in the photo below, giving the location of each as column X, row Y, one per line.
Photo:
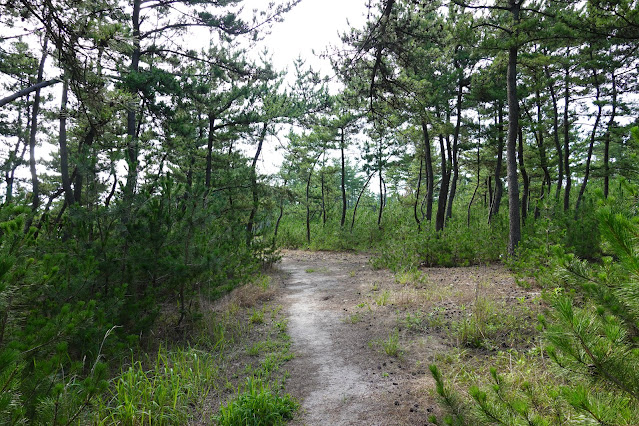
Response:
column 312, row 25
column 307, row 31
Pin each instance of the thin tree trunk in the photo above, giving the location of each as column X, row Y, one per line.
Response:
column 14, row 160
column 593, row 136
column 499, row 186
column 430, row 175
column 555, row 133
column 455, row 156
column 511, row 147
column 34, row 130
column 478, row 178
column 209, row 150
column 607, row 137
column 524, row 176
column 443, row 188
column 132, row 119
column 342, row 147
column 359, row 197
column 567, row 138
column 64, row 152
column 323, row 197
column 254, row 188
column 279, row 217
column 418, row 191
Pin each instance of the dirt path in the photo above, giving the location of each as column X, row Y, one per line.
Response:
column 339, row 373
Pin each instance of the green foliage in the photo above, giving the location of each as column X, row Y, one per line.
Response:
column 256, row 405
column 160, row 393
column 591, row 335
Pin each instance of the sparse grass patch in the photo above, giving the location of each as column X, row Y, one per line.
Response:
column 257, row 316
column 382, row 299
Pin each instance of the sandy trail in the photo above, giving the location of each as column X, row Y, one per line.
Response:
column 336, row 374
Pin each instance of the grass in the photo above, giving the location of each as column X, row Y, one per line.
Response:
column 159, row 393
column 382, row 299
column 390, row 346
column 257, row 405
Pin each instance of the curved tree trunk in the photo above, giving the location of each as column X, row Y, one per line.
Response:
column 430, row 175
column 359, row 197
column 555, row 134
column 250, row 223
column 593, row 136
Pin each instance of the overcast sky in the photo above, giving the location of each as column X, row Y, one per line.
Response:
column 312, row 25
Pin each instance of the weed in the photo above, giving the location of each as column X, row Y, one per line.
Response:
column 382, row 299
column 355, row 318
column 413, row 321
column 257, row 405
column 391, row 345
column 257, row 317
column 310, row 270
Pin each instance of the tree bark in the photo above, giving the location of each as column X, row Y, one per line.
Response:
column 495, row 202
column 430, row 175
column 607, row 137
column 132, row 119
column 593, row 136
column 34, row 130
column 567, row 137
column 513, row 129
column 342, row 147
column 254, row 188
column 455, row 156
column 359, row 197
column 524, row 176
column 64, row 152
column 209, row 150
column 555, row 133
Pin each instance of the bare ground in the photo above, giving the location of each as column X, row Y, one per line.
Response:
column 341, row 312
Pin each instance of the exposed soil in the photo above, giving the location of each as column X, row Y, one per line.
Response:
column 340, row 312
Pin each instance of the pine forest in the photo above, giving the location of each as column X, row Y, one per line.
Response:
column 161, row 177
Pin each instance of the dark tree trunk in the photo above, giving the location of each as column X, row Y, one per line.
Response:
column 418, row 221
column 567, row 138
column 524, row 176
column 254, row 188
column 359, row 197
column 64, row 152
column 323, row 197
column 607, row 137
column 209, row 150
column 34, row 130
column 14, row 159
column 472, row 199
column 132, row 119
column 443, row 188
column 593, row 136
column 555, row 134
column 430, row 175
column 455, row 156
column 82, row 168
column 342, row 147
column 499, row 186
column 511, row 147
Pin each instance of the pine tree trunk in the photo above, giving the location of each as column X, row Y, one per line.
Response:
column 455, row 156
column 593, row 136
column 607, row 138
column 430, row 175
column 343, row 183
column 132, row 120
column 209, row 150
column 254, row 188
column 359, row 197
column 496, row 198
column 513, row 129
column 34, row 130
column 555, row 133
column 567, row 138
column 524, row 177
column 64, row 152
